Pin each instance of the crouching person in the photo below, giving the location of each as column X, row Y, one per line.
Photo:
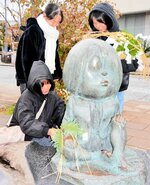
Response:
column 39, row 110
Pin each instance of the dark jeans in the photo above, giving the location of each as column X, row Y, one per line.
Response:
column 43, row 141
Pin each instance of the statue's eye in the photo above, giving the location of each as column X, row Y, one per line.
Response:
column 95, row 64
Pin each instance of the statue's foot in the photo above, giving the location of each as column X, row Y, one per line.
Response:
column 106, row 153
column 115, row 161
column 124, row 166
column 120, row 163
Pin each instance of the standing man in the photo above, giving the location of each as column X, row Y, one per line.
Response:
column 39, row 42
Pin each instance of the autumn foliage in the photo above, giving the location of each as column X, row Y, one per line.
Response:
column 75, row 22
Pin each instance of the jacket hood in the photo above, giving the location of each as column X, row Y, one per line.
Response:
column 30, row 21
column 39, row 71
column 108, row 10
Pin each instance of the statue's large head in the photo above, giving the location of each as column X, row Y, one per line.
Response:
column 92, row 69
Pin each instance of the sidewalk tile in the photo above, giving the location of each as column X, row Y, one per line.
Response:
column 3, row 119
column 146, row 107
column 137, row 115
column 138, row 134
column 148, row 128
column 139, row 143
column 137, row 126
column 131, row 109
column 132, row 103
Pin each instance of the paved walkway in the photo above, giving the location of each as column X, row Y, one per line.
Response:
column 136, row 110
column 137, row 115
column 9, row 92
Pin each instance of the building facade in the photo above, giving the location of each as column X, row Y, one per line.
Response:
column 135, row 16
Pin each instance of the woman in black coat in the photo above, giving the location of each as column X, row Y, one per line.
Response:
column 40, row 87
column 39, row 42
column 102, row 18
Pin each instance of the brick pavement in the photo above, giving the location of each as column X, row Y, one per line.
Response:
column 137, row 115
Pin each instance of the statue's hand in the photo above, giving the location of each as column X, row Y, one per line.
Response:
column 118, row 134
column 119, row 120
column 118, row 138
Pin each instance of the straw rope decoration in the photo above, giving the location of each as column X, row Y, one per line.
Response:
column 127, row 47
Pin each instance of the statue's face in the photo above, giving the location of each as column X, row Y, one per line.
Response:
column 99, row 78
column 93, row 69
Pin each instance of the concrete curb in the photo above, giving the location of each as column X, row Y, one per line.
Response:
column 7, row 64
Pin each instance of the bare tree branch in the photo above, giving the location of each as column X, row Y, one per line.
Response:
column 10, row 11
column 20, row 12
column 5, row 19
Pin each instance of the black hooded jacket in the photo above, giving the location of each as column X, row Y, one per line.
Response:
column 30, row 102
column 126, row 68
column 31, row 48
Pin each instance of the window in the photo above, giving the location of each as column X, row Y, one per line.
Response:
column 135, row 23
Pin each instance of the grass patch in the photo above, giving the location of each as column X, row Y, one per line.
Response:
column 8, row 109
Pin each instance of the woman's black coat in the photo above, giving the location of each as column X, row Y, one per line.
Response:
column 31, row 48
column 30, row 102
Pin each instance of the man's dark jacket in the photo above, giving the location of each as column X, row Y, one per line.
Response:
column 31, row 48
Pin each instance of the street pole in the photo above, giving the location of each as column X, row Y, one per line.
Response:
column 5, row 44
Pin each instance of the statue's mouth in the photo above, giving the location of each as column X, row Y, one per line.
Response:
column 104, row 83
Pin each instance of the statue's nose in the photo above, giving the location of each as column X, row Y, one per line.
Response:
column 104, row 73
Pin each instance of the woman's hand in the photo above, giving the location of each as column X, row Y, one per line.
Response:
column 52, row 132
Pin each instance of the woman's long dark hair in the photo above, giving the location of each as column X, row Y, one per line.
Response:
column 100, row 17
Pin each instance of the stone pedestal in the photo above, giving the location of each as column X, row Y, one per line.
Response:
column 39, row 158
column 136, row 174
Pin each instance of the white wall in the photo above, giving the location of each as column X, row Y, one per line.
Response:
column 132, row 6
column 147, row 24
